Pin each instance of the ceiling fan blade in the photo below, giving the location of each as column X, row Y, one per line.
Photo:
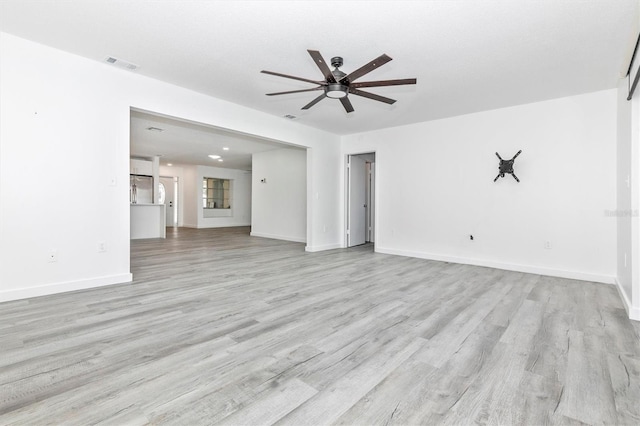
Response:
column 365, row 69
column 384, row 83
column 313, row 102
column 322, row 83
column 371, row 96
column 324, row 68
column 295, row 91
column 346, row 103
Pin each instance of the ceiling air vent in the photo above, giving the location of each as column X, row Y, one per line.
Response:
column 120, row 63
column 290, row 117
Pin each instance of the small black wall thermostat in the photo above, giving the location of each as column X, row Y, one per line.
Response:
column 506, row 167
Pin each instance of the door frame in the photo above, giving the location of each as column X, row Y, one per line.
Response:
column 177, row 199
column 345, row 230
column 370, row 185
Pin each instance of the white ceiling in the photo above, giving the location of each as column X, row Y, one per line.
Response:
column 468, row 55
column 182, row 142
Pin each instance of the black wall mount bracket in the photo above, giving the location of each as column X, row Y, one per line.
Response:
column 506, row 167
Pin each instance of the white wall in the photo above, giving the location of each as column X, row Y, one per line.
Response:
column 190, row 193
column 280, row 204
column 64, row 136
column 435, row 187
column 323, row 234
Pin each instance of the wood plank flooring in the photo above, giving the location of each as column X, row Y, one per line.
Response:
column 221, row 327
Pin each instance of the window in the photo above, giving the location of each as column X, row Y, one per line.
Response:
column 216, row 193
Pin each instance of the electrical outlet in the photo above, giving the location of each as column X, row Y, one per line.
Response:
column 53, row 256
column 102, row 246
column 471, row 237
column 547, row 245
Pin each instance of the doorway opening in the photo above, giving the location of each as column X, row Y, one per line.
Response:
column 168, row 195
column 361, row 181
column 276, row 209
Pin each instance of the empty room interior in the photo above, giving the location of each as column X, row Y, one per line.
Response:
column 302, row 212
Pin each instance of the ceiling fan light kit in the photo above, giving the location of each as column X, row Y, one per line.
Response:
column 338, row 85
column 336, row 90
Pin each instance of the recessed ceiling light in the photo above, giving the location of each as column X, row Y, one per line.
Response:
column 155, row 129
column 215, row 157
column 225, row 148
column 169, row 164
column 220, row 160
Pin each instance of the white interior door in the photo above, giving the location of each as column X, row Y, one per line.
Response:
column 169, row 200
column 357, row 229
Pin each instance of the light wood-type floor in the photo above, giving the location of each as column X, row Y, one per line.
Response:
column 220, row 327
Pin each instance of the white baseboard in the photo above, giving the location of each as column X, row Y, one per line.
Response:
column 44, row 290
column 529, row 269
column 278, row 237
column 233, row 225
column 633, row 312
column 323, row 248
column 192, row 226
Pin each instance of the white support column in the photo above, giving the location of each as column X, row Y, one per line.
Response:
column 156, row 178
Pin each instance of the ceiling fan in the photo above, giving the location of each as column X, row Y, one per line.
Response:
column 338, row 85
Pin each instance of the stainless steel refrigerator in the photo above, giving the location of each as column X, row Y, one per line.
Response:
column 140, row 189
